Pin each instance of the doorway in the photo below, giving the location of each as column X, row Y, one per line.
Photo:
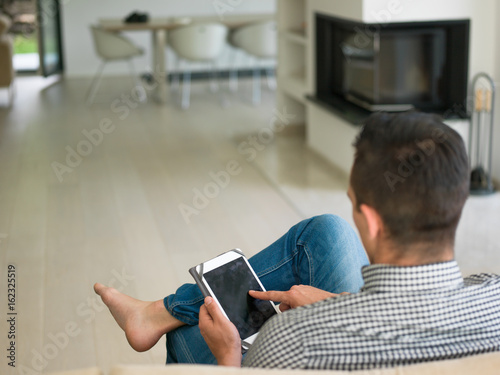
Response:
column 23, row 30
column 36, row 29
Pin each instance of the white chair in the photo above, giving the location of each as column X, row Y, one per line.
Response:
column 202, row 42
column 259, row 40
column 111, row 46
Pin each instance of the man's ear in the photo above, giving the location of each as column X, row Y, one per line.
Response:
column 373, row 220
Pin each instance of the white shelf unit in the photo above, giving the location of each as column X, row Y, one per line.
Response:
column 292, row 55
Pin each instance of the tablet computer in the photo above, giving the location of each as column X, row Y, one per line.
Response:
column 228, row 278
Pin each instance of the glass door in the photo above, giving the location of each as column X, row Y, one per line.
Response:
column 49, row 37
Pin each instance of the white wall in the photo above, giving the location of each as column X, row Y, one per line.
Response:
column 78, row 15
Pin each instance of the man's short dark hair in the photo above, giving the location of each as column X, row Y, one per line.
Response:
column 413, row 170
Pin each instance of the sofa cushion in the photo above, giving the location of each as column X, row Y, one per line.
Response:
column 483, row 364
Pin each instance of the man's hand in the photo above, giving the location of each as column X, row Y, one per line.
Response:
column 298, row 295
column 220, row 334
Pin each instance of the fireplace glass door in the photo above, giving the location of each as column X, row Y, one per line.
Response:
column 394, row 70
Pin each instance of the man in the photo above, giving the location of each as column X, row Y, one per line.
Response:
column 408, row 185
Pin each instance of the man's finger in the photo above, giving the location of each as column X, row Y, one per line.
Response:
column 283, row 307
column 272, row 295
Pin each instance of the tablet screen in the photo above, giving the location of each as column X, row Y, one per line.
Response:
column 230, row 284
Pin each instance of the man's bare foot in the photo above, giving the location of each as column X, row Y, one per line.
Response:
column 144, row 322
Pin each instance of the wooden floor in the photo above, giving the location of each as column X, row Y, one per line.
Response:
column 134, row 194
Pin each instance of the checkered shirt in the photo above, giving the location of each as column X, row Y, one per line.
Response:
column 402, row 315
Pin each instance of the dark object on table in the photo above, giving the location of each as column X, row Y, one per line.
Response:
column 137, row 17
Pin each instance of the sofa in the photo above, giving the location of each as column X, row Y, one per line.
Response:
column 483, row 364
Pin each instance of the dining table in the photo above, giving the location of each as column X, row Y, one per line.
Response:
column 159, row 27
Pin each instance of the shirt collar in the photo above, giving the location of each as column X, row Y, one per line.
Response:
column 388, row 278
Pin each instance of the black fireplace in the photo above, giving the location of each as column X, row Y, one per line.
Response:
column 362, row 68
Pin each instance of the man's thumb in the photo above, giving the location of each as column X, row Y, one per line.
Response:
column 212, row 307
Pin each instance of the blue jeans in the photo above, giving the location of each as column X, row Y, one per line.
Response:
column 323, row 251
